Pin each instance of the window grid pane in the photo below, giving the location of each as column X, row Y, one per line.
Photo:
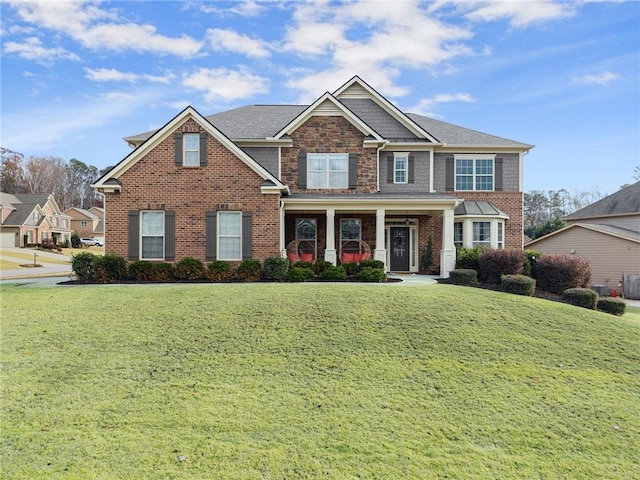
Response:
column 229, row 235
column 457, row 234
column 152, row 235
column 474, row 174
column 327, row 170
column 306, row 229
column 191, row 142
column 481, row 234
column 350, row 229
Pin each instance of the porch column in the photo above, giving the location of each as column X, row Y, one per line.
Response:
column 448, row 252
column 281, row 245
column 380, row 253
column 330, row 250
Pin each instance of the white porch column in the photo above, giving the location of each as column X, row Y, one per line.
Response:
column 448, row 252
column 282, row 246
column 380, row 253
column 330, row 250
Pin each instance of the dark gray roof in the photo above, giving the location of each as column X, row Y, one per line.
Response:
column 377, row 118
column 479, row 209
column 28, row 201
column 624, row 201
column 622, row 232
column 255, row 121
column 448, row 133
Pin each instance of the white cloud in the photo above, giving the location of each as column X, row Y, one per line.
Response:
column 32, row 49
column 222, row 84
column 603, row 78
column 248, row 8
column 519, row 13
column 426, row 105
column 232, row 41
column 113, row 75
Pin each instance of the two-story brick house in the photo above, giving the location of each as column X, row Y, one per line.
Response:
column 348, row 174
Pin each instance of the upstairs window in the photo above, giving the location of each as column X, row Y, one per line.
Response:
column 400, row 168
column 474, row 173
column 327, row 170
column 191, row 153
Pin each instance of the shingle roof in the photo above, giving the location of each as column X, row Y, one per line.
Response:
column 624, row 201
column 26, row 203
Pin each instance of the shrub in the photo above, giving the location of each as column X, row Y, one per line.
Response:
column 141, row 271
column 335, row 273
column 300, row 274
column 427, row 257
column 467, row 258
column 301, row 264
column 249, row 270
column 322, row 265
column 557, row 273
column 84, row 266
column 614, row 306
column 75, row 240
column 220, row 271
column 276, row 268
column 531, row 258
column 518, row 284
column 495, row 263
column 581, row 297
column 162, row 272
column 189, row 268
column 372, row 263
column 464, row 276
column 351, row 268
column 110, row 268
column 369, row 274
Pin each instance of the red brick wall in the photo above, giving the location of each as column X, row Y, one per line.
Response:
column 225, row 183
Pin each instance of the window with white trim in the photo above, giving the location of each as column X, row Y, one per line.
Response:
column 474, row 173
column 400, row 167
column 152, row 235
column 83, row 223
column 229, row 236
column 481, row 234
column 191, row 149
column 457, row 234
column 500, row 235
column 350, row 229
column 327, row 170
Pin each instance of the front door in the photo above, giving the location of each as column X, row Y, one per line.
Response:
column 399, row 249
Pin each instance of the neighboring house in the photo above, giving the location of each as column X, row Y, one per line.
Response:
column 607, row 233
column 348, row 174
column 27, row 219
column 87, row 223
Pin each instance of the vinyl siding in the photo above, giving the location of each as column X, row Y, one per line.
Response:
column 631, row 222
column 510, row 171
column 421, row 174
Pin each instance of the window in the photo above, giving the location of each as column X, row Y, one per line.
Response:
column 83, row 224
column 481, row 234
column 191, row 149
column 35, row 216
column 457, row 234
column 327, row 170
column 474, row 174
column 500, row 235
column 306, row 229
column 400, row 168
column 229, row 236
column 152, row 235
column 350, row 229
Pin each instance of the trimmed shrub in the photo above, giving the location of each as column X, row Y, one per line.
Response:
column 467, row 258
column 276, row 268
column 614, row 306
column 464, row 276
column 531, row 258
column 301, row 264
column 351, row 268
column 75, row 240
column 427, row 258
column 300, row 274
column 581, row 297
column 162, row 272
column 141, row 271
column 110, row 268
column 369, row 274
column 219, row 271
column 372, row 263
column 189, row 268
column 322, row 265
column 335, row 273
column 249, row 270
column 557, row 273
column 495, row 263
column 518, row 284
column 84, row 266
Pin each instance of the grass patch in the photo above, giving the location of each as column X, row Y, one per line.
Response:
column 8, row 264
column 307, row 381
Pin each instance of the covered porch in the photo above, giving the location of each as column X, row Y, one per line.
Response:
column 394, row 229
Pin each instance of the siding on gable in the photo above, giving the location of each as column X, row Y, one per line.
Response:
column 268, row 157
column 510, row 171
column 377, row 118
column 421, row 174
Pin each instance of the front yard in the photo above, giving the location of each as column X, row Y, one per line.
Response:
column 314, row 380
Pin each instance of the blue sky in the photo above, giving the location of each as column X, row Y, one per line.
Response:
column 564, row 76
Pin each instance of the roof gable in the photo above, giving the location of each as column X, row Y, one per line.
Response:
column 609, row 230
column 625, row 201
column 109, row 180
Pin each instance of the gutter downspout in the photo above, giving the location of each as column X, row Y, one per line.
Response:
column 386, row 142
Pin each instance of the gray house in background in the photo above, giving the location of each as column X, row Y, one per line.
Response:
column 607, row 233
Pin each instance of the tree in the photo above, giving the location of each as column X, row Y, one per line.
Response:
column 45, row 175
column 12, row 171
column 636, row 173
column 79, row 177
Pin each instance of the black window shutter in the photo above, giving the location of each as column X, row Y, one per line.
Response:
column 412, row 169
column 134, row 234
column 450, row 174
column 178, row 150
column 203, row 149
column 302, row 169
column 247, row 243
column 169, row 235
column 498, row 174
column 211, row 235
column 390, row 169
column 353, row 170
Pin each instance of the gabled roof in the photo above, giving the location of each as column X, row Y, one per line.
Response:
column 611, row 230
column 109, row 181
column 81, row 212
column 625, row 201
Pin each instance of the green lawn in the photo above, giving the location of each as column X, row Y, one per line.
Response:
column 268, row 381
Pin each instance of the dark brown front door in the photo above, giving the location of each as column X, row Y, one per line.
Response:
column 399, row 249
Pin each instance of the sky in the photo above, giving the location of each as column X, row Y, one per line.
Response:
column 78, row 76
